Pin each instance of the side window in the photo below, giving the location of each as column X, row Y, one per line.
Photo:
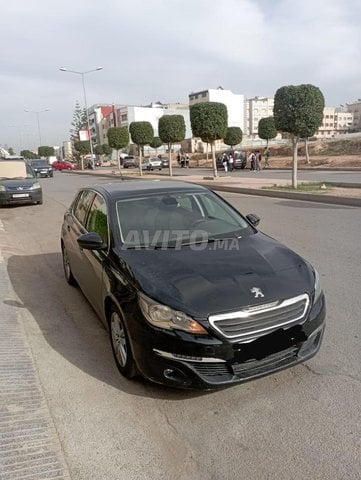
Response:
column 98, row 218
column 82, row 205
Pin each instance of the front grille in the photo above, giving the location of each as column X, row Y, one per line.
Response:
column 250, row 323
column 258, row 367
column 18, row 188
column 210, row 369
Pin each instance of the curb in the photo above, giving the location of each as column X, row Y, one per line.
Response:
column 306, row 197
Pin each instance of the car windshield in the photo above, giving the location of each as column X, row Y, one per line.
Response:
column 177, row 219
column 39, row 163
column 15, row 169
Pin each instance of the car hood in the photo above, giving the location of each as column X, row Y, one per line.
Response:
column 18, row 182
column 216, row 279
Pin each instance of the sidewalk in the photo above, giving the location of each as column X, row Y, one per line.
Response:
column 342, row 194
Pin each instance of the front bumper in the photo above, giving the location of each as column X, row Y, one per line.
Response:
column 183, row 360
column 29, row 196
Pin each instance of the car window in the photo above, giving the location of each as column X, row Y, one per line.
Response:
column 82, row 205
column 29, row 172
column 98, row 218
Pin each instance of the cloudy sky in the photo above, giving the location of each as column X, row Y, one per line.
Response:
column 154, row 50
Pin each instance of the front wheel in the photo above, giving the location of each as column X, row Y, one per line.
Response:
column 67, row 269
column 120, row 345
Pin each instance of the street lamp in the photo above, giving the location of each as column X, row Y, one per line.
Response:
column 37, row 113
column 62, row 69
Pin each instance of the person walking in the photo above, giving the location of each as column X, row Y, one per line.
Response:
column 225, row 162
column 187, row 160
column 231, row 162
column 252, row 159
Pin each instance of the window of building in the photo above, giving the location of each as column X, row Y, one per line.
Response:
column 124, row 117
column 196, row 96
column 204, row 94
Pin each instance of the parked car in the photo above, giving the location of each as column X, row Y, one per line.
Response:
column 193, row 295
column 151, row 164
column 41, row 167
column 63, row 165
column 18, row 183
column 129, row 162
column 240, row 160
column 165, row 162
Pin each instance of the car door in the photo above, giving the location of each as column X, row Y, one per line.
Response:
column 93, row 260
column 74, row 226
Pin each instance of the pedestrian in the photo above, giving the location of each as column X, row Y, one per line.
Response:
column 225, row 162
column 258, row 161
column 266, row 157
column 187, row 160
column 231, row 162
column 252, row 159
column 182, row 161
column 178, row 158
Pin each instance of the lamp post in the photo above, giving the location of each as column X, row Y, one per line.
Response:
column 85, row 100
column 37, row 113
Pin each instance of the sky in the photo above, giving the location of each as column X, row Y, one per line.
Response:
column 162, row 50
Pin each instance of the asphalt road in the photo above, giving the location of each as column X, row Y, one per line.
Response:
column 303, row 175
column 304, row 422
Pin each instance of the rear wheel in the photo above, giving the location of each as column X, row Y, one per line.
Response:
column 67, row 269
column 120, row 344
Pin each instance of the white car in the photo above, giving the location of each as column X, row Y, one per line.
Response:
column 152, row 164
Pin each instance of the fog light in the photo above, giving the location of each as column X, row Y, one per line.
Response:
column 168, row 372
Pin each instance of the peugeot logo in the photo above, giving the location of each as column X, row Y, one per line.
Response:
column 257, row 292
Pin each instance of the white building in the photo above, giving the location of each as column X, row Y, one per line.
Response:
column 233, row 101
column 335, row 122
column 255, row 109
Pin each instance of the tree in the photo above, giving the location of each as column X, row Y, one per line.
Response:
column 28, row 154
column 171, row 129
column 298, row 110
column 99, row 150
column 209, row 122
column 156, row 143
column 142, row 133
column 45, row 151
column 233, row 136
column 267, row 129
column 11, row 151
column 118, row 137
column 83, row 148
column 106, row 149
column 78, row 123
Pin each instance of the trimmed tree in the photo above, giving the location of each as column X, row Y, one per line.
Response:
column 209, row 122
column 233, row 136
column 141, row 133
column 267, row 129
column 11, row 151
column 118, row 137
column 106, row 149
column 156, row 143
column 29, row 154
column 171, row 129
column 45, row 151
column 82, row 148
column 298, row 110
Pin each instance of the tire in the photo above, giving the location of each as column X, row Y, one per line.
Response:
column 67, row 269
column 40, row 202
column 121, row 347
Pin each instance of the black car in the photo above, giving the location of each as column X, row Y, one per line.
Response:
column 18, row 183
column 129, row 162
column 41, row 167
column 194, row 296
column 239, row 160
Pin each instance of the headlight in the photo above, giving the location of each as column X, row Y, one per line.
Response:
column 35, row 186
column 2, row 188
column 318, row 289
column 165, row 317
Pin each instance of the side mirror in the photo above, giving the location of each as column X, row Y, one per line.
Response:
column 91, row 241
column 253, row 219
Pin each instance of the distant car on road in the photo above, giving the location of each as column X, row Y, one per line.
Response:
column 18, row 183
column 129, row 162
column 63, row 165
column 41, row 167
column 150, row 164
column 240, row 160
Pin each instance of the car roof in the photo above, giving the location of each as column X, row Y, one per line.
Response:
column 135, row 188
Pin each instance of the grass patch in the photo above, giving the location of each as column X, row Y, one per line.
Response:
column 315, row 187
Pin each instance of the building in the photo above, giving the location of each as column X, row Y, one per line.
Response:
column 67, row 150
column 335, row 122
column 123, row 116
column 96, row 114
column 234, row 103
column 355, row 109
column 256, row 108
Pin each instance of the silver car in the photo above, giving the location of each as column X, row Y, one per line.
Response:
column 152, row 164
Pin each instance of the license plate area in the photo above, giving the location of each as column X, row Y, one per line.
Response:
column 270, row 344
column 20, row 195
